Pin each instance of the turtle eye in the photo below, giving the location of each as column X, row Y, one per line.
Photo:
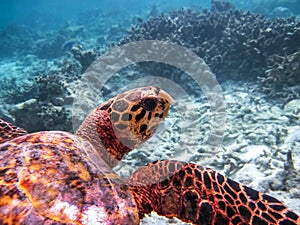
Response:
column 149, row 104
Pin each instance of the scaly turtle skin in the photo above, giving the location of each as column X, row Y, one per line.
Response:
column 55, row 177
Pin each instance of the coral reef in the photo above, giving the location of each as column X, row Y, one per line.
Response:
column 235, row 44
column 49, row 87
column 45, row 104
column 36, row 116
column 84, row 57
column 282, row 76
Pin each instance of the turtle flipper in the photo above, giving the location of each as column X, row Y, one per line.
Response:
column 202, row 196
column 9, row 131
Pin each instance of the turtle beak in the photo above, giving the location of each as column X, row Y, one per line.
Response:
column 164, row 95
column 168, row 100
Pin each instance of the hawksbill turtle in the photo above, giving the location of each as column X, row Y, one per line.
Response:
column 55, row 177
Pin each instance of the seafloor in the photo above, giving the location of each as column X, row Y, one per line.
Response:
column 255, row 58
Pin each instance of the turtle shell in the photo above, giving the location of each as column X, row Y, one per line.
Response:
column 55, row 177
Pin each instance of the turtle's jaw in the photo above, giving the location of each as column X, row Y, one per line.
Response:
column 168, row 100
column 164, row 95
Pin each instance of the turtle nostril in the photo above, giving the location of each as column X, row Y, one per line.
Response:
column 149, row 104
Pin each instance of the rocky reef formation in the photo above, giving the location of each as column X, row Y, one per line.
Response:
column 45, row 103
column 282, row 77
column 235, row 44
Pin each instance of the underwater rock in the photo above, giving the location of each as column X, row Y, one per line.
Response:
column 154, row 218
column 25, row 105
column 4, row 114
column 251, row 152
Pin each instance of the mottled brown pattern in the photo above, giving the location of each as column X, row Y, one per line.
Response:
column 202, row 196
column 8, row 131
column 50, row 177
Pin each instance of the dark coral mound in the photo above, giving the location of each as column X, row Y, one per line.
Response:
column 44, row 110
column 235, row 44
column 47, row 105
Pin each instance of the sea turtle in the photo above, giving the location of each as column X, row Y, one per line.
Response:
column 55, row 177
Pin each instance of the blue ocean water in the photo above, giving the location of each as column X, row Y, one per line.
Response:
column 55, row 13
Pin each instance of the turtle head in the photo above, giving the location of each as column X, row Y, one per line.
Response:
column 128, row 120
column 136, row 114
